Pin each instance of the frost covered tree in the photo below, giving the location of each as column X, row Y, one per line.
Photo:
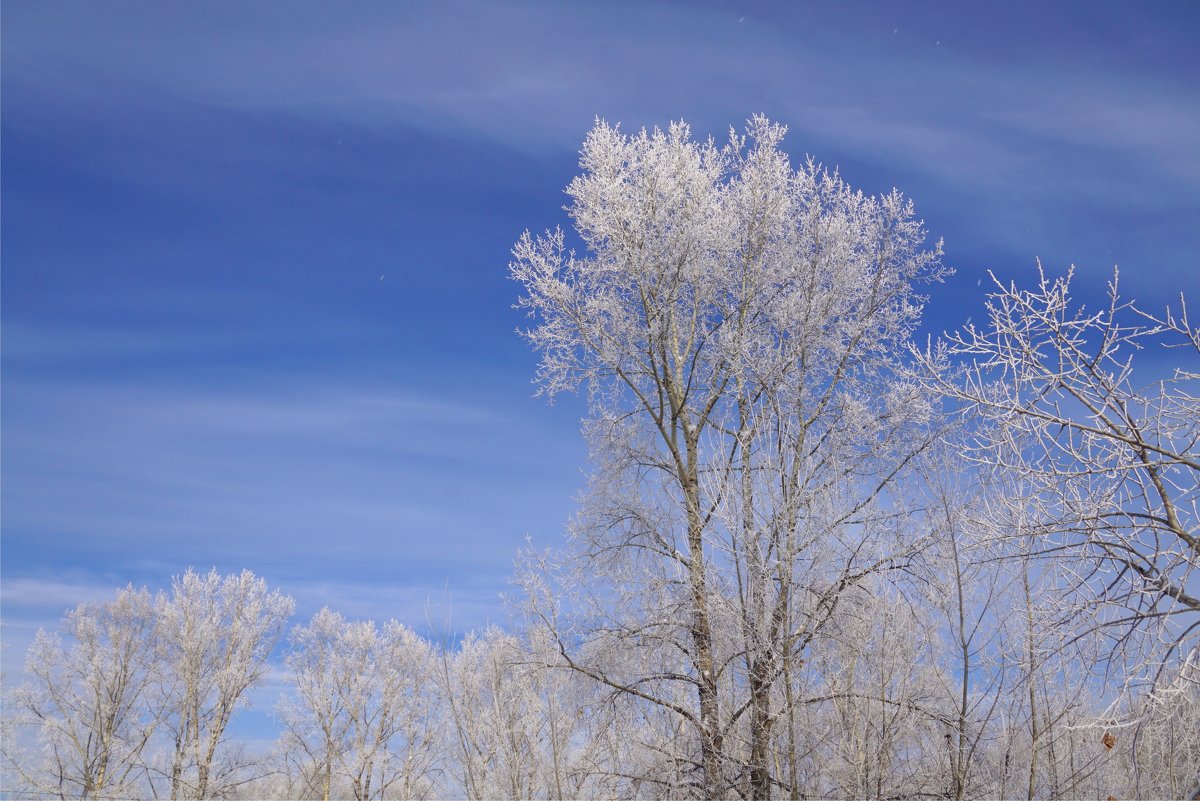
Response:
column 1101, row 461
column 215, row 634
column 737, row 323
column 964, row 684
column 87, row 699
column 512, row 728
column 970, row 596
column 362, row 723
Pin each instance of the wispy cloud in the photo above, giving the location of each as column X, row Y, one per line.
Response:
column 374, row 500
column 30, row 344
column 53, row 594
column 996, row 131
column 516, row 74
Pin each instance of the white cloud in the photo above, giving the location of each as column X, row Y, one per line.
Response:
column 51, row 595
column 300, row 478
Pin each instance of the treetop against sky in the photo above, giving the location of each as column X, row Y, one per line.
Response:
column 256, row 312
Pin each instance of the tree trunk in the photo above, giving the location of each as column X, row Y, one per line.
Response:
column 1034, row 734
column 760, row 731
column 711, row 741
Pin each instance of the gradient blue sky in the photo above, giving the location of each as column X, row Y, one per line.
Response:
column 255, row 304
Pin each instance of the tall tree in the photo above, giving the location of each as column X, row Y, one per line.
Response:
column 737, row 324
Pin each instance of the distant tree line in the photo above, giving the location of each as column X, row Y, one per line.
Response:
column 815, row 559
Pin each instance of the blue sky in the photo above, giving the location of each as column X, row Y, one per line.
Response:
column 255, row 308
